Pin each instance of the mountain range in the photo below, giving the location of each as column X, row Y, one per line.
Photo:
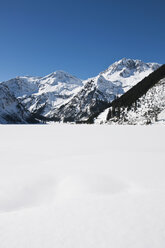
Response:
column 62, row 97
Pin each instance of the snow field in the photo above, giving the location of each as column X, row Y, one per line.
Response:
column 82, row 186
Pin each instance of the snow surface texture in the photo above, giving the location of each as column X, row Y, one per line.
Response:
column 60, row 95
column 82, row 186
column 149, row 109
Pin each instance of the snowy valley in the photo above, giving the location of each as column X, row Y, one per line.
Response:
column 84, row 186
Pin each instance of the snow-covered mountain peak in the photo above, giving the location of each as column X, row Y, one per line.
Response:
column 61, row 96
column 29, row 78
column 53, row 90
column 128, row 72
column 128, row 66
column 60, row 77
column 124, row 63
column 22, row 86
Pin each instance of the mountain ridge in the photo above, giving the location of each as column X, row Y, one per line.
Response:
column 60, row 96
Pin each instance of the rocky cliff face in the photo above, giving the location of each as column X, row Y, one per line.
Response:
column 11, row 111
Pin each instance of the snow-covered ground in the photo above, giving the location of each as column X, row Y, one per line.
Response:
column 82, row 186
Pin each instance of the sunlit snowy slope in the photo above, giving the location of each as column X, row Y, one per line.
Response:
column 82, row 186
column 60, row 96
column 147, row 109
column 42, row 95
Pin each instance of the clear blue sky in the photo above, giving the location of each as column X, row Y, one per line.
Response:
column 82, row 37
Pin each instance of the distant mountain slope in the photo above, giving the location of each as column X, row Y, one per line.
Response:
column 101, row 90
column 63, row 97
column 129, row 72
column 11, row 111
column 142, row 104
column 43, row 94
column 89, row 100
